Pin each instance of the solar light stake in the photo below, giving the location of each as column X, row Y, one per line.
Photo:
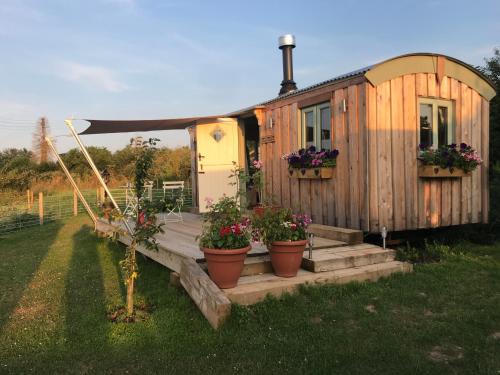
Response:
column 311, row 241
column 383, row 233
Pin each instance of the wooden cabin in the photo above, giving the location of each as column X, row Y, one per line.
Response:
column 375, row 117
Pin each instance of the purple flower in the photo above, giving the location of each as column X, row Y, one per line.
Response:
column 422, row 146
column 463, row 146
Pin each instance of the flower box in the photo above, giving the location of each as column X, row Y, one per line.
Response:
column 311, row 173
column 435, row 171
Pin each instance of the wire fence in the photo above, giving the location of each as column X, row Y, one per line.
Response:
column 18, row 211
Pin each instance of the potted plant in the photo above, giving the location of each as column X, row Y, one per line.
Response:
column 285, row 236
column 310, row 163
column 448, row 160
column 225, row 241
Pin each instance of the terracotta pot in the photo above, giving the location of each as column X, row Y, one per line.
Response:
column 259, row 210
column 225, row 265
column 286, row 257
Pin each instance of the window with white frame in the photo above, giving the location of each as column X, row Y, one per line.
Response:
column 436, row 126
column 316, row 126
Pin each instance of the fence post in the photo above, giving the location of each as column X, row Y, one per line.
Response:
column 40, row 207
column 75, row 203
column 28, row 195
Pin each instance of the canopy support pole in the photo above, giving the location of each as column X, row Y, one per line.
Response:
column 72, row 181
column 69, row 123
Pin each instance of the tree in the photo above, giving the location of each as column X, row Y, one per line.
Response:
column 76, row 162
column 41, row 151
column 145, row 221
column 492, row 70
column 17, row 169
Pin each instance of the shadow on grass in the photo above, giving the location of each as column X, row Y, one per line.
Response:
column 86, row 321
column 22, row 253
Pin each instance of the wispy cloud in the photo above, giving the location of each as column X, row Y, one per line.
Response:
column 96, row 77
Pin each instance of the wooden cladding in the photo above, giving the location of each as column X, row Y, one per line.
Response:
column 267, row 139
column 399, row 199
column 376, row 181
column 338, row 201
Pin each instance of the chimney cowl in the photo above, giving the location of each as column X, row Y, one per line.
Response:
column 286, row 45
column 286, row 40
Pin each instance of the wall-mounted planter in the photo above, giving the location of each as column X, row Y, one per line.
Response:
column 434, row 171
column 311, row 173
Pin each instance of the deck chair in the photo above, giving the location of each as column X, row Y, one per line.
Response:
column 175, row 191
column 148, row 187
column 130, row 200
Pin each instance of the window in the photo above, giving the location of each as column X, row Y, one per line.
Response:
column 316, row 128
column 436, row 123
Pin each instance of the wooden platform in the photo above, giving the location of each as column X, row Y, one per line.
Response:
column 338, row 256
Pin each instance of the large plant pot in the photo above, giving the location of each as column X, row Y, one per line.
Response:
column 286, row 257
column 225, row 265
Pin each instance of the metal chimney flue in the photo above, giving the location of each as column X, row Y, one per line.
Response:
column 286, row 44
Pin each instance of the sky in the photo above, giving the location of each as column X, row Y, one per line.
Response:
column 148, row 59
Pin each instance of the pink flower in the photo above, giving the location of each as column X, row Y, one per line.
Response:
column 257, row 164
column 209, row 201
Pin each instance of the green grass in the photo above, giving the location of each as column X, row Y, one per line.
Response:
column 58, row 282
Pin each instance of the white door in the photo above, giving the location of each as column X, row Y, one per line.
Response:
column 217, row 149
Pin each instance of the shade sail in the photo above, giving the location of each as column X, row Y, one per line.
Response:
column 127, row 126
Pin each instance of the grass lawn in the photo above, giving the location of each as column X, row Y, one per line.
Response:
column 57, row 283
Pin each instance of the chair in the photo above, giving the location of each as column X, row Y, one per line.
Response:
column 130, row 199
column 148, row 187
column 176, row 192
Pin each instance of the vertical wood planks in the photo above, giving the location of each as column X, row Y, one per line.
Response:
column 456, row 184
column 363, row 149
column 341, row 203
column 398, row 153
column 423, row 187
column 352, row 130
column 372, row 157
column 330, row 184
column 276, row 174
column 410, row 145
column 294, row 144
column 485, row 136
column 384, row 153
column 476, row 144
column 446, row 183
column 466, row 113
column 285, row 149
column 435, row 184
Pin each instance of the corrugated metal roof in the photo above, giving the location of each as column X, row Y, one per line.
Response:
column 341, row 77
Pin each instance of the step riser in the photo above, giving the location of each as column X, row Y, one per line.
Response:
column 279, row 287
column 348, row 262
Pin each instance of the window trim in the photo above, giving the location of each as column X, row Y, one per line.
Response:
column 316, row 110
column 436, row 103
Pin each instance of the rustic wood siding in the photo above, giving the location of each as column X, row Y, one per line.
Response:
column 402, row 200
column 342, row 200
column 375, row 182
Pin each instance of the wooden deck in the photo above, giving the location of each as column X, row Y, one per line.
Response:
column 338, row 256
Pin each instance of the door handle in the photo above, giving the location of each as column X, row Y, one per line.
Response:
column 200, row 156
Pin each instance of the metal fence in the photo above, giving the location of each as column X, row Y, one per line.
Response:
column 19, row 211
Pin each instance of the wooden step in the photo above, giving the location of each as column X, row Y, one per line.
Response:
column 349, row 236
column 259, row 264
column 346, row 257
column 253, row 289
